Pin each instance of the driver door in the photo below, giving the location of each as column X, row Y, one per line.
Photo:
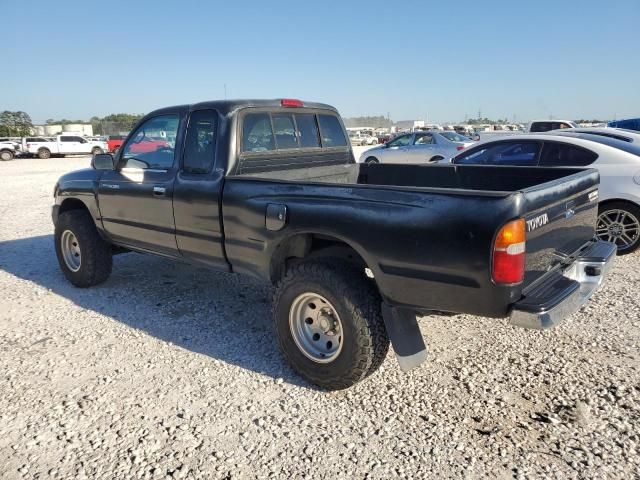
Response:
column 136, row 199
column 397, row 150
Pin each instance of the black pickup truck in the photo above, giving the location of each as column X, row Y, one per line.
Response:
column 270, row 188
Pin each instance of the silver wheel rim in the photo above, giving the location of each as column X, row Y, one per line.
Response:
column 5, row 156
column 70, row 250
column 618, row 226
column 316, row 327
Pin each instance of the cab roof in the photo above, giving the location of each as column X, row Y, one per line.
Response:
column 226, row 107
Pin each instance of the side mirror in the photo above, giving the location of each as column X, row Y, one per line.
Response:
column 103, row 161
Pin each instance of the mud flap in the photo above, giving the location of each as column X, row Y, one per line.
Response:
column 406, row 338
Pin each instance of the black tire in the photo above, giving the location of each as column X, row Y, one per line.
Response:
column 44, row 153
column 96, row 255
column 371, row 160
column 633, row 211
column 365, row 342
column 96, row 151
column 6, row 155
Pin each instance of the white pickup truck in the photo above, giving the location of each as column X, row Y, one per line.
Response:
column 66, row 145
column 7, row 151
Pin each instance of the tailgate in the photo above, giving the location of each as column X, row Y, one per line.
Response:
column 560, row 218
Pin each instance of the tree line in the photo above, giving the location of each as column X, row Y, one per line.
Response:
column 15, row 124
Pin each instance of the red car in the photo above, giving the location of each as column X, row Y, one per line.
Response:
column 147, row 145
column 114, row 142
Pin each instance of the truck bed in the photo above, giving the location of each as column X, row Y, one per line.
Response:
column 426, row 232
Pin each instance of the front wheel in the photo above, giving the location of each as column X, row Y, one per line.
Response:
column 84, row 257
column 619, row 222
column 371, row 160
column 328, row 322
column 96, row 151
column 6, row 155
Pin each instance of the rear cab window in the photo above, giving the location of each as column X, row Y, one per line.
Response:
column 281, row 138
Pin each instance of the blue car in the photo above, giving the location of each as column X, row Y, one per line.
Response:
column 629, row 124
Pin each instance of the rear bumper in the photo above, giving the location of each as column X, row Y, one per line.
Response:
column 563, row 292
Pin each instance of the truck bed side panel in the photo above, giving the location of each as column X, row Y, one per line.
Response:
column 426, row 250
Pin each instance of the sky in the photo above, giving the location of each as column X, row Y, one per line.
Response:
column 431, row 60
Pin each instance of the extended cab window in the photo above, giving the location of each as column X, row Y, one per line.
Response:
column 153, row 143
column 257, row 135
column 503, row 153
column 331, row 131
column 200, row 142
column 558, row 154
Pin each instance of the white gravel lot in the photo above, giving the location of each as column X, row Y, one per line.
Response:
column 166, row 371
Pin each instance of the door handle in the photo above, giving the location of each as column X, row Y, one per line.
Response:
column 159, row 191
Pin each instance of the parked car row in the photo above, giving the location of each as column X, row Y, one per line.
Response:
column 68, row 144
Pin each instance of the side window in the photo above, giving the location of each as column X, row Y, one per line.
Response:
column 562, row 155
column 424, row 139
column 285, row 131
column 200, row 142
column 67, row 139
column 80, row 139
column 541, row 126
column 331, row 131
column 257, row 135
column 522, row 154
column 152, row 145
column 401, row 141
column 307, row 130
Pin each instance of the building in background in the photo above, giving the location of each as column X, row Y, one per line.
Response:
column 85, row 129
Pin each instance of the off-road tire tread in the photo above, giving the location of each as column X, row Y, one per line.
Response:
column 97, row 259
column 362, row 301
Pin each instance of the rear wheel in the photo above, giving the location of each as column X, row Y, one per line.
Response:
column 96, row 151
column 328, row 322
column 6, row 155
column 44, row 153
column 84, row 257
column 619, row 222
column 371, row 160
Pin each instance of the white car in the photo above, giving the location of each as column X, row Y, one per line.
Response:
column 361, row 139
column 630, row 136
column 67, row 145
column 617, row 161
column 7, row 151
column 539, row 126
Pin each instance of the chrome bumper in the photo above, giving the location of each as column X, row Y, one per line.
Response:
column 562, row 293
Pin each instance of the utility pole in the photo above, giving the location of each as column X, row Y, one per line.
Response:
column 479, row 114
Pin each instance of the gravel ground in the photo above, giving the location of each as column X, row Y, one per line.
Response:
column 166, row 371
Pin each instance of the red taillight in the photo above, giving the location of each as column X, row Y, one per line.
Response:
column 291, row 102
column 509, row 253
column 460, row 147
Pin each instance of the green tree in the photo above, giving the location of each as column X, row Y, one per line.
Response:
column 15, row 124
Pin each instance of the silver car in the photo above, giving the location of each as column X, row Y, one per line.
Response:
column 618, row 162
column 418, row 147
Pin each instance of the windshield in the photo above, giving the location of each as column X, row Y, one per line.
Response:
column 454, row 137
